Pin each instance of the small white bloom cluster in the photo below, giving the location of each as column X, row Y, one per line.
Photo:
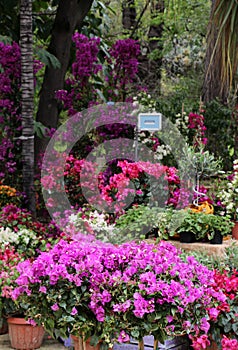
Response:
column 162, row 151
column 145, row 100
column 96, row 224
column 23, row 236
column 229, row 195
column 181, row 123
column 8, row 236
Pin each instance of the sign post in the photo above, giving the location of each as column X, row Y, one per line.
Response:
column 147, row 122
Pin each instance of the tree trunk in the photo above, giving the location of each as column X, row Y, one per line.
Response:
column 128, row 14
column 27, row 100
column 155, row 42
column 150, row 64
column 70, row 15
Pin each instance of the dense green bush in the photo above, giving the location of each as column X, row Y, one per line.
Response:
column 220, row 131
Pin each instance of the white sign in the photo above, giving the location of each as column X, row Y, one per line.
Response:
column 149, row 121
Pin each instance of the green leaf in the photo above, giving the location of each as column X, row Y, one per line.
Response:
column 48, row 59
column 39, row 129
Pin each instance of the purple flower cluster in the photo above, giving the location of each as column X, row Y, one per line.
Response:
column 86, row 57
column 10, row 72
column 10, row 107
column 196, row 124
column 80, row 91
column 134, row 289
column 124, row 61
column 120, row 70
column 125, row 53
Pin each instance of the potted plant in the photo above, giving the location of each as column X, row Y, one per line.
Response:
column 12, row 313
column 20, row 238
column 219, row 226
column 198, row 226
column 112, row 293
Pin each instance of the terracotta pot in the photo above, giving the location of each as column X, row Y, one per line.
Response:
column 235, row 231
column 79, row 344
column 24, row 336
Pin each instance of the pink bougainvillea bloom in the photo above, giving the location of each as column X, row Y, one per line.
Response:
column 43, row 289
column 32, row 322
column 55, row 307
column 123, row 337
column 74, row 311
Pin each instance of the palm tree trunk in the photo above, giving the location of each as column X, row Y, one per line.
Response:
column 27, row 87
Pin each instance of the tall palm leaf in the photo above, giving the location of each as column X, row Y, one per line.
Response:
column 221, row 74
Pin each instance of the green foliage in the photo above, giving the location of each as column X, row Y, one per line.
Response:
column 39, row 129
column 220, row 131
column 9, row 18
column 179, row 98
column 203, row 162
column 140, row 220
column 202, row 225
column 47, row 58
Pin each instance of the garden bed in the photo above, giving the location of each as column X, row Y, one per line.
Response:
column 216, row 250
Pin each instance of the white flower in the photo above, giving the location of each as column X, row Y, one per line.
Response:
column 8, row 236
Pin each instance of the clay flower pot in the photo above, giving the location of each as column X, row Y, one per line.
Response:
column 235, row 231
column 22, row 335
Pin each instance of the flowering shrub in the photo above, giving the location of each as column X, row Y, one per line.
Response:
column 10, row 117
column 90, row 82
column 114, row 293
column 9, row 195
column 122, row 69
column 9, row 258
column 24, row 241
column 226, row 324
column 90, row 221
column 114, row 183
column 229, row 194
column 27, row 235
column 223, row 329
column 197, row 129
column 80, row 91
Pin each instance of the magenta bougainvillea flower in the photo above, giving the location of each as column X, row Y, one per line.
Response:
column 118, row 292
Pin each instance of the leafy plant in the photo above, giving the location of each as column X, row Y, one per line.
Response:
column 141, row 220
column 202, row 225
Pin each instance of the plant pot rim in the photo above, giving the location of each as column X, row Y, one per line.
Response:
column 18, row 320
